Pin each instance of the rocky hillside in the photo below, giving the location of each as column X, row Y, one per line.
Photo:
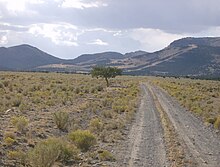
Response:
column 188, row 56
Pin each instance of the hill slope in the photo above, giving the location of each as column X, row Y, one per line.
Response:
column 187, row 56
column 24, row 57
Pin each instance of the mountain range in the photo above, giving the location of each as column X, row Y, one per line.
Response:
column 183, row 57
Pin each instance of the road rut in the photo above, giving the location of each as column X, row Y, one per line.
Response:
column 147, row 141
column 200, row 141
column 146, row 136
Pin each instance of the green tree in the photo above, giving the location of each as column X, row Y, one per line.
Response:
column 105, row 72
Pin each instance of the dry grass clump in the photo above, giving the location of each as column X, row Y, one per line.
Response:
column 20, row 123
column 61, row 120
column 47, row 152
column 83, row 139
column 217, row 123
column 95, row 125
column 105, row 155
column 8, row 141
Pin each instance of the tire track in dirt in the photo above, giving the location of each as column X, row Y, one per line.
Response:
column 165, row 134
column 177, row 154
column 146, row 136
column 198, row 140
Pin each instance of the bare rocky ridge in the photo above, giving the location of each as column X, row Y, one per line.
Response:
column 147, row 145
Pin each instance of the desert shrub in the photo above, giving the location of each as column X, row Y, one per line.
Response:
column 86, row 90
column 24, row 107
column 95, row 124
column 210, row 102
column 77, row 90
column 130, row 116
column 106, row 156
column 107, row 114
column 119, row 108
column 61, row 120
column 12, row 154
column 9, row 134
column 10, row 87
column 120, row 105
column 107, row 102
column 115, row 124
column 117, row 135
column 50, row 150
column 45, row 153
column 17, row 155
column 99, row 88
column 83, row 139
column 1, row 85
column 211, row 120
column 50, row 102
column 104, row 136
column 93, row 107
column 9, row 141
column 8, row 96
column 16, row 102
column 217, row 123
column 20, row 122
column 93, row 90
column 68, row 151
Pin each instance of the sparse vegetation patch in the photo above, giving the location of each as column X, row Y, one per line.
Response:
column 50, row 119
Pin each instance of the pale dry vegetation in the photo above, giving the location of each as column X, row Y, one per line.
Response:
column 51, row 119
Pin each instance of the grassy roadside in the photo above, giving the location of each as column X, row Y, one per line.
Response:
column 69, row 119
column 202, row 97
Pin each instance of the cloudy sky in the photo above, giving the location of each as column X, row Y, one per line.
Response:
column 68, row 28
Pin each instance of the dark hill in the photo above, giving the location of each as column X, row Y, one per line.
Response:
column 196, row 41
column 97, row 58
column 25, row 57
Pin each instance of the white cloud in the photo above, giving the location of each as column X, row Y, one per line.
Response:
column 153, row 39
column 98, row 42
column 80, row 4
column 15, row 6
column 210, row 32
column 101, row 29
column 3, row 40
column 118, row 33
column 66, row 43
column 7, row 27
column 18, row 5
column 59, row 33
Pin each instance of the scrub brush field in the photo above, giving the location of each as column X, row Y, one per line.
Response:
column 51, row 119
column 69, row 120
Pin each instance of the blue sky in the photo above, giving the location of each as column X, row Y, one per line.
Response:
column 69, row 28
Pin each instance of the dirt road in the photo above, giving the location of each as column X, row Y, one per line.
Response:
column 165, row 134
column 147, row 136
